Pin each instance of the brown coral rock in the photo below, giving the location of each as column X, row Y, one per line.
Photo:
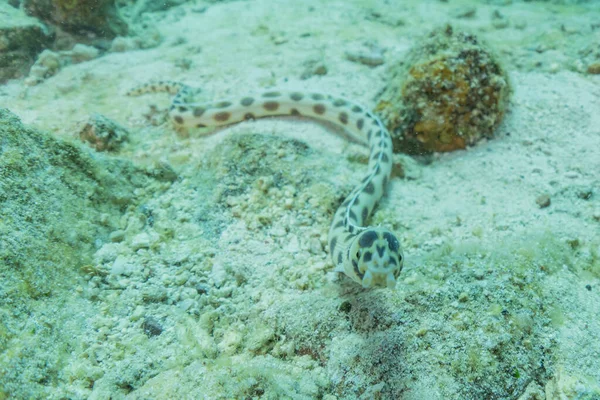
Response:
column 103, row 134
column 450, row 94
column 81, row 17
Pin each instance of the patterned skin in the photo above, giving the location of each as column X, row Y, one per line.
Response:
column 369, row 256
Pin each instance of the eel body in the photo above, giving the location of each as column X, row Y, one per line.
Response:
column 370, row 256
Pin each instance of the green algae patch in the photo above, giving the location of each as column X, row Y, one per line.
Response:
column 58, row 202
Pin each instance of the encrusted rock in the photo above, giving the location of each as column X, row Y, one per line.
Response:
column 450, row 93
column 102, row 133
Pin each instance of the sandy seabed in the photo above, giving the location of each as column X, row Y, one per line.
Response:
column 217, row 284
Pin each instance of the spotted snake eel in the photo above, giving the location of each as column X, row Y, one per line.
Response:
column 370, row 256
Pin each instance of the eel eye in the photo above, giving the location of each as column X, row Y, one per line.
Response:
column 358, row 254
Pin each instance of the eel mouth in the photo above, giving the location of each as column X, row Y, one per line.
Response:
column 379, row 279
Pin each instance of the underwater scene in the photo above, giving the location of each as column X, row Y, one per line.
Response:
column 276, row 199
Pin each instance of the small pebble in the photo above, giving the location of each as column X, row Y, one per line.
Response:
column 593, row 69
column 81, row 53
column 121, row 267
column 572, row 174
column 67, row 87
column 49, row 59
column 140, row 241
column 186, row 304
column 288, row 204
column 312, row 68
column 371, row 58
column 154, row 295
column 183, row 63
column 279, row 39
column 496, row 14
column 315, row 246
column 500, row 23
column 584, row 194
column 138, row 313
column 151, row 327
column 421, row 332
column 554, row 68
column 574, row 243
column 464, row 12
column 47, row 64
column 104, row 219
column 345, row 307
column 543, row 201
column 201, row 288
column 520, row 25
column 478, row 274
column 122, row 44
column 117, row 236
